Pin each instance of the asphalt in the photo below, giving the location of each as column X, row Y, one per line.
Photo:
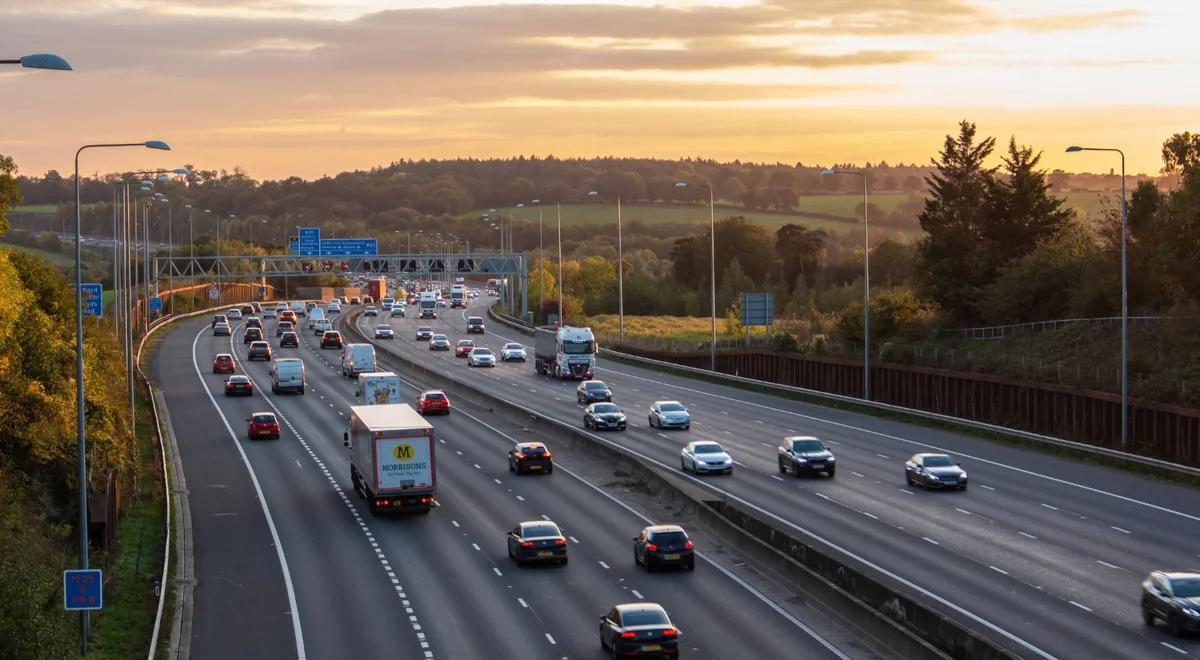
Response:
column 432, row 585
column 1044, row 554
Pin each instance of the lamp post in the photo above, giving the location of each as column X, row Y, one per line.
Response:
column 541, row 259
column 81, row 442
column 41, row 61
column 866, row 275
column 1124, row 296
column 712, row 257
column 558, row 213
column 620, row 266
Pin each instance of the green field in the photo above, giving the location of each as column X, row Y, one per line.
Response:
column 57, row 258
column 36, row 208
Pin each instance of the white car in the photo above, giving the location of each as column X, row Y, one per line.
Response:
column 481, row 357
column 384, row 331
column 333, row 308
column 221, row 328
column 234, row 314
column 705, row 456
column 513, row 352
column 371, row 311
column 397, row 311
column 269, row 313
column 281, row 307
column 669, row 415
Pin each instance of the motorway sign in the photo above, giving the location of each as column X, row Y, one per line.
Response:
column 262, row 290
column 83, row 589
column 349, row 247
column 309, row 241
column 156, row 304
column 214, row 293
column 293, row 245
column 93, row 299
column 758, row 308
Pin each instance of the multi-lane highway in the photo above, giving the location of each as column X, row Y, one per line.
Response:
column 1042, row 554
column 289, row 560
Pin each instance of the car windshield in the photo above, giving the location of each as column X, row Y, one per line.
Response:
column 238, row 379
column 807, row 445
column 258, row 344
column 644, row 618
column 264, row 419
column 465, row 342
column 606, row 408
column 512, row 347
column 668, row 537
column 224, row 358
column 475, row 320
column 383, row 327
column 594, row 385
column 439, row 338
column 1186, row 587
column 938, row 461
column 711, row 448
column 578, row 347
column 481, row 352
column 536, row 449
column 435, row 396
column 540, row 529
column 672, row 407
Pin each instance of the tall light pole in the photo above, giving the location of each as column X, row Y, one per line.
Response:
column 712, row 258
column 80, row 439
column 541, row 260
column 558, row 213
column 191, row 260
column 1124, row 296
column 620, row 265
column 866, row 275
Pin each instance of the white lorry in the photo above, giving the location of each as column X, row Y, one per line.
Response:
column 564, row 352
column 392, row 462
column 458, row 296
column 427, row 305
column 377, row 387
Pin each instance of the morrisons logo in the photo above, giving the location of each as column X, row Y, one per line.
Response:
column 402, row 452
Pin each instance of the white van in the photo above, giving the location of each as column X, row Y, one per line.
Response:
column 287, row 375
column 298, row 307
column 315, row 314
column 357, row 359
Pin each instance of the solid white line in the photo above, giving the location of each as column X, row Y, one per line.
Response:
column 1052, row 508
column 1104, row 563
column 1028, row 535
column 999, row 570
column 262, row 500
column 1173, row 647
column 1080, row 606
column 1123, row 531
column 930, row 540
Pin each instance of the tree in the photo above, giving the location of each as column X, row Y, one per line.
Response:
column 956, row 212
column 10, row 194
column 893, row 264
column 732, row 189
column 1024, row 212
column 734, row 282
column 891, row 311
column 799, row 250
column 1181, row 153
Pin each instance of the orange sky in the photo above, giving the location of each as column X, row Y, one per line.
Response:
column 312, row 87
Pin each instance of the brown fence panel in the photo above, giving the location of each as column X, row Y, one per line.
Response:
column 1157, row 430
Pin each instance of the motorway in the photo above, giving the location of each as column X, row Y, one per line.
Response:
column 1042, row 554
column 287, row 556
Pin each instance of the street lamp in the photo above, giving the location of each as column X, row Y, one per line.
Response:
column 81, row 442
column 712, row 256
column 866, row 276
column 541, row 257
column 41, row 61
column 1124, row 297
column 620, row 266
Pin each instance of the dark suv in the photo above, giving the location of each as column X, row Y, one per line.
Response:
column 591, row 391
column 1174, row 598
column 259, row 350
column 475, row 325
column 252, row 334
column 663, row 545
column 805, row 455
column 331, row 339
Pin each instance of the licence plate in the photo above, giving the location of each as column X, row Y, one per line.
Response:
column 535, row 467
column 651, row 647
column 670, row 557
column 545, row 553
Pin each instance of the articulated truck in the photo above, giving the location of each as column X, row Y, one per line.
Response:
column 392, row 462
column 564, row 352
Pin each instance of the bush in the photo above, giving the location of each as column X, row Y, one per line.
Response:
column 818, row 345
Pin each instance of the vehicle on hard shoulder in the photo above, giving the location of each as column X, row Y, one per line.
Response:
column 287, row 375
column 357, row 359
column 564, row 352
column 804, row 454
column 392, row 458
column 262, row 425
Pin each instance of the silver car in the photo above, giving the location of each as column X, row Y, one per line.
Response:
column 221, row 328
column 481, row 357
column 705, row 456
column 669, row 415
column 384, row 331
column 513, row 352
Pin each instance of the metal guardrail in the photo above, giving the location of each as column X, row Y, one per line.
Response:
column 937, row 417
column 1000, row 331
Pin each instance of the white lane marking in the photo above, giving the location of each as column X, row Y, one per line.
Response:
column 986, row 487
column 766, row 444
column 882, row 455
column 637, row 594
column 777, row 477
column 1080, row 606
column 1123, row 531
column 662, row 435
column 1028, row 535
column 442, row 440
column 1173, row 647
column 999, row 570
column 722, row 412
column 550, row 639
column 459, row 452
column 497, row 481
column 857, row 474
column 1104, row 563
column 604, row 565
column 545, row 517
column 497, row 571
column 906, row 491
column 963, row 511
column 869, row 515
column 262, row 500
column 573, row 539
column 476, row 546
column 758, row 421
column 1052, row 508
column 455, row 523
column 298, row 464
column 477, row 466
column 930, row 540
column 522, row 602
column 520, row 498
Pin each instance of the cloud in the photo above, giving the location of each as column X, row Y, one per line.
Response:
column 1079, row 21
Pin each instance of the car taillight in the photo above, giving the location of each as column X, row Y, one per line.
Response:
column 383, row 502
column 670, row 632
column 526, row 544
column 651, row 547
column 560, row 541
column 628, row 634
column 546, row 454
column 687, row 545
column 520, row 457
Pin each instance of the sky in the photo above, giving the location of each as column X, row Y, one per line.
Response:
column 313, row 87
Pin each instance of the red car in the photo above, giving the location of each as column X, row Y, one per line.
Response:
column 463, row 348
column 224, row 364
column 237, row 384
column 262, row 425
column 433, row 401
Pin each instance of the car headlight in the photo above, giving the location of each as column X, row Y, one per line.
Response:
column 933, row 476
column 831, row 459
column 801, row 460
column 963, row 476
column 1191, row 612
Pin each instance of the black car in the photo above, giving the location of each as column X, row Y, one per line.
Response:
column 475, row 325
column 592, row 390
column 282, row 327
column 934, row 471
column 252, row 334
column 238, row 385
column 439, row 343
column 259, row 350
column 603, row 416
column 331, row 339
column 289, row 338
column 1174, row 598
column 804, row 454
column 530, row 457
column 639, row 630
column 664, row 545
column 424, row 333
column 254, row 322
column 537, row 540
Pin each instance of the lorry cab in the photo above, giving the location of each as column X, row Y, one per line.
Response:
column 357, row 359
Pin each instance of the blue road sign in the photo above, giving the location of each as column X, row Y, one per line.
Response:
column 83, row 589
column 293, row 245
column 262, row 290
column 309, row 241
column 156, row 304
column 93, row 299
column 349, row 247
column 758, row 308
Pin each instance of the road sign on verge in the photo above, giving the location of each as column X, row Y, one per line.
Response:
column 758, row 308
column 293, row 245
column 349, row 247
column 214, row 293
column 93, row 299
column 262, row 290
column 309, row 241
column 156, row 304
column 83, row 589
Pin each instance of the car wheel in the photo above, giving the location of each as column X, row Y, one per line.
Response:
column 831, row 472
column 650, row 420
column 636, row 561
column 649, row 564
column 782, row 467
column 564, row 561
column 301, row 391
column 549, row 469
column 510, row 467
column 1174, row 626
column 1147, row 616
column 962, row 487
column 603, row 644
column 908, row 479
column 682, row 465
column 691, row 565
column 687, row 427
